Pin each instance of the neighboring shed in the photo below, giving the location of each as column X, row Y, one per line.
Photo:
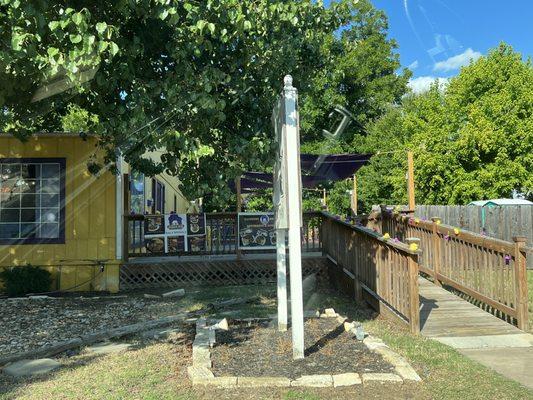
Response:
column 501, row 202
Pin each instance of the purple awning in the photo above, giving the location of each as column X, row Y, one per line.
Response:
column 315, row 170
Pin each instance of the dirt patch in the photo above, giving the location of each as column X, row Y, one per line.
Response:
column 258, row 349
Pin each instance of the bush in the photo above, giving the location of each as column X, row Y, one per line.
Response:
column 27, row 279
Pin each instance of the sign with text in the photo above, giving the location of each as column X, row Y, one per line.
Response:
column 256, row 231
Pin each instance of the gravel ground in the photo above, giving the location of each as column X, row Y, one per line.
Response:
column 27, row 324
column 260, row 350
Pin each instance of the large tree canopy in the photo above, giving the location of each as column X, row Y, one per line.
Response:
column 472, row 140
column 197, row 79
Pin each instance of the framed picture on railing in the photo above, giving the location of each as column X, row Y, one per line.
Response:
column 256, row 231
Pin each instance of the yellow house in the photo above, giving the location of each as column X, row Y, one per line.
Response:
column 55, row 214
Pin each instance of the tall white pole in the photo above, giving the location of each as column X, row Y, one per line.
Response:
column 282, row 279
column 295, row 218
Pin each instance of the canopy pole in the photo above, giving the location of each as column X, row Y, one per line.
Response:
column 238, row 190
column 411, row 181
column 354, row 195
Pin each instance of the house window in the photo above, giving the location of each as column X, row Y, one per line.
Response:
column 137, row 192
column 32, row 200
column 158, row 196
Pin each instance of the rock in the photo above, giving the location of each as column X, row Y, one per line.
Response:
column 380, row 377
column 348, row 326
column 347, row 379
column 313, row 381
column 175, row 293
column 224, row 381
column 199, row 373
column 329, row 313
column 263, row 381
column 31, row 367
column 407, row 372
column 222, row 324
column 108, row 348
column 151, row 296
column 311, row 314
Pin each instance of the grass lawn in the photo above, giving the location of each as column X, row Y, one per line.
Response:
column 158, row 370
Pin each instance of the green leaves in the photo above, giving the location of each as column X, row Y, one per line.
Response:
column 101, row 27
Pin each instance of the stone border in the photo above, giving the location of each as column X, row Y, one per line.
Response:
column 200, row 372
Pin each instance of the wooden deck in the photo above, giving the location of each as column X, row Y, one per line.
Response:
column 443, row 314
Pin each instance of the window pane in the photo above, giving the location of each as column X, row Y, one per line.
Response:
column 11, row 186
column 49, row 231
column 9, row 200
column 9, row 231
column 49, row 200
column 10, row 171
column 29, row 200
column 50, row 215
column 29, row 215
column 28, row 230
column 50, row 186
column 28, row 186
column 50, row 171
column 10, row 215
column 30, row 171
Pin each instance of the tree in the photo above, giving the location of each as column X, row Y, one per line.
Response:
column 198, row 79
column 473, row 140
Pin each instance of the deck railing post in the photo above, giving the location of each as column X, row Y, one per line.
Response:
column 414, row 300
column 521, row 283
column 435, row 243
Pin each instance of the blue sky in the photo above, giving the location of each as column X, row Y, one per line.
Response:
column 437, row 37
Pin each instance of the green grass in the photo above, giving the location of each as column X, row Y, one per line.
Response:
column 158, row 371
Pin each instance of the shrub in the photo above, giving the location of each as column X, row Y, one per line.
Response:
column 27, row 279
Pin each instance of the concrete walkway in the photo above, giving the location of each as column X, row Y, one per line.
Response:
column 476, row 333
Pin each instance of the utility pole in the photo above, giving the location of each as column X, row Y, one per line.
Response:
column 411, row 181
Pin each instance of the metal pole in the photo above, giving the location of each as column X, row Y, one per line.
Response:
column 295, row 217
column 281, row 261
column 354, row 195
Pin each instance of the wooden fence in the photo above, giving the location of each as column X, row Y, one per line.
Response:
column 503, row 222
column 489, row 270
column 221, row 236
column 384, row 272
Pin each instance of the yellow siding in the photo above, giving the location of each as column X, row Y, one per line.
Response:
column 89, row 215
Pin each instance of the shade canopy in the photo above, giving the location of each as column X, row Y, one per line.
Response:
column 316, row 169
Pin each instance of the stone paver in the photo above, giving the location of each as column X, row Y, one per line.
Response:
column 31, row 367
column 373, row 377
column 266, row 381
column 514, row 363
column 348, row 379
column 108, row 348
column 313, row 381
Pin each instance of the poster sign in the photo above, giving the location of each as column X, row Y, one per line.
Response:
column 176, row 244
column 196, row 243
column 256, row 231
column 154, row 225
column 195, row 224
column 175, row 224
column 155, row 244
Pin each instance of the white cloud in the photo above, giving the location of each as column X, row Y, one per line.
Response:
column 458, row 61
column 413, row 65
column 422, row 83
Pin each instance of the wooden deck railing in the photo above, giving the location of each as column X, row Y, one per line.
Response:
column 221, row 236
column 384, row 270
column 489, row 270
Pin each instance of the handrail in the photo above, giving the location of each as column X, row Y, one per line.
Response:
column 383, row 271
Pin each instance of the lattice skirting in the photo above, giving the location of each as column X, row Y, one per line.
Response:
column 170, row 274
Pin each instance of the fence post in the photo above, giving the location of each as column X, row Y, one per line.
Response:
column 414, row 301
column 435, row 243
column 125, row 238
column 521, row 282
